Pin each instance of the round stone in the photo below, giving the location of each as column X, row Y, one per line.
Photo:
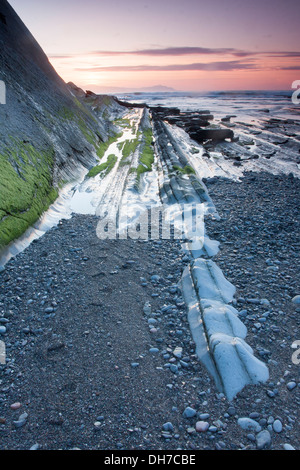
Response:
column 249, row 424
column 263, row 440
column 202, row 426
column 168, row 427
column 189, row 412
column 134, row 364
column 288, row 447
column 291, row 385
column 296, row 300
column 277, row 426
column 15, row 406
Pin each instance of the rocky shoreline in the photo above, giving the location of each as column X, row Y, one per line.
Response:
column 99, row 350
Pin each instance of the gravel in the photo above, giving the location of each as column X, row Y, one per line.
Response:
column 78, row 337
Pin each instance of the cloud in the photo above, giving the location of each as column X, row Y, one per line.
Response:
column 181, row 51
column 296, row 67
column 61, row 56
column 282, row 54
column 174, row 51
column 212, row 66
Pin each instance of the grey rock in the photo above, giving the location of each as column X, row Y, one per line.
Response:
column 213, row 134
column 178, row 352
column 49, row 310
column 254, row 415
column 168, row 427
column 189, row 412
column 173, row 368
column 213, row 429
column 277, row 426
column 288, row 447
column 202, row 426
column 147, row 308
column 20, row 423
column 204, row 416
column 35, row 447
column 248, row 424
column 291, row 385
column 263, row 440
column 296, row 300
column 231, row 411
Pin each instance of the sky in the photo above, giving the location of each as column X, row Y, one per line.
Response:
column 189, row 45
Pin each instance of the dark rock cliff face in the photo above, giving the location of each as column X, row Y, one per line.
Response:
column 47, row 129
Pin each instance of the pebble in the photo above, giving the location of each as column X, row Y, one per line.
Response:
column 254, row 415
column 202, row 426
column 277, row 426
column 204, row 416
column 21, row 422
column 168, row 427
column 191, row 430
column 231, row 411
column 213, row 429
column 173, row 289
column 189, row 412
column 2, row 330
column 291, row 385
column 173, row 368
column 49, row 310
column 147, row 308
column 288, row 447
column 15, row 406
column 35, row 447
column 263, row 440
column 249, row 424
column 296, row 300
column 178, row 352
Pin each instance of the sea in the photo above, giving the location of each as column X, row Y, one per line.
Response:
column 246, row 105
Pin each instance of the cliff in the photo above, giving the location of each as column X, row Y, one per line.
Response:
column 48, row 129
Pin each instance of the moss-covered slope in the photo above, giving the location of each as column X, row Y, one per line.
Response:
column 48, row 129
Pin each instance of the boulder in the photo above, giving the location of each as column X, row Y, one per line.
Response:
column 213, row 134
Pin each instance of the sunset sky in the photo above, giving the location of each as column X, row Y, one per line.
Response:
column 190, row 45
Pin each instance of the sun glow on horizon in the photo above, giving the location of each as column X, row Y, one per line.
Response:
column 197, row 46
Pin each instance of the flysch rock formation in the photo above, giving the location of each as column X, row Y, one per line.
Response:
column 49, row 130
